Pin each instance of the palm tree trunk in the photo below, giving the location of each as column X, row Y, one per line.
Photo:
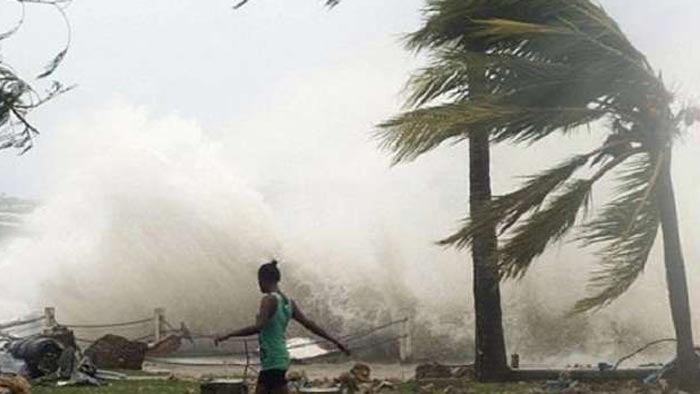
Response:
column 687, row 363
column 490, row 363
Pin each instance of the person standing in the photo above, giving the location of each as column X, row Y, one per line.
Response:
column 276, row 311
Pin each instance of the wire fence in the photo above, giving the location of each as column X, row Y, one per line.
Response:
column 35, row 322
column 161, row 328
column 21, row 322
column 21, row 328
column 108, row 325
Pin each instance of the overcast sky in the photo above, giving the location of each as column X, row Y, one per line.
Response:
column 225, row 69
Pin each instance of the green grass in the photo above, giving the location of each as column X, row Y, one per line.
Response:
column 462, row 387
column 486, row 388
column 126, row 387
column 185, row 387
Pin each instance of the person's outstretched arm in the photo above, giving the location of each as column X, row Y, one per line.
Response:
column 268, row 305
column 310, row 325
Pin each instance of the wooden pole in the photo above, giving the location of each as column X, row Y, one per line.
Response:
column 405, row 347
column 158, row 317
column 247, row 360
column 49, row 319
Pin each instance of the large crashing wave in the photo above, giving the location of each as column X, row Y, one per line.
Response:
column 148, row 213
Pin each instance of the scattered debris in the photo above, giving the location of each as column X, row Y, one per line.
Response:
column 84, row 374
column 223, row 386
column 297, row 376
column 62, row 335
column 167, row 345
column 14, row 385
column 305, row 349
column 385, row 385
column 564, row 383
column 12, row 365
column 113, row 351
column 357, row 380
column 440, row 371
column 48, row 357
column 433, row 371
column 448, row 390
column 39, row 355
column 515, row 361
column 466, row 372
column 348, row 383
column 361, row 372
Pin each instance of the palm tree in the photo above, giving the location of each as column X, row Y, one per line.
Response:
column 490, row 350
column 521, row 70
column 17, row 97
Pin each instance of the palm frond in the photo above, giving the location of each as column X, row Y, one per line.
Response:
column 534, row 68
column 554, row 203
column 415, row 132
column 549, row 225
column 544, row 227
column 689, row 115
column 504, row 211
column 456, row 74
column 628, row 227
column 58, row 59
column 567, row 31
column 510, row 25
column 8, row 33
column 497, row 27
column 17, row 97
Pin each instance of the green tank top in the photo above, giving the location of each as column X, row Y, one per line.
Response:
column 273, row 339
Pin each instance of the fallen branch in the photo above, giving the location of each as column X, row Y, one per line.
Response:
column 640, row 350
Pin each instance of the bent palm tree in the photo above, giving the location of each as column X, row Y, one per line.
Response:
column 521, row 70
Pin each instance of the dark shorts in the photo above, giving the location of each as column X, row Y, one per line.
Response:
column 273, row 378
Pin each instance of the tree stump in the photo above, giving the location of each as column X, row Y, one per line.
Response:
column 224, row 386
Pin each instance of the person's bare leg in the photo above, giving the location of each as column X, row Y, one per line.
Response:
column 284, row 389
column 261, row 389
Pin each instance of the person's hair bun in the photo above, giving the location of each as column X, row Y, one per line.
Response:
column 269, row 272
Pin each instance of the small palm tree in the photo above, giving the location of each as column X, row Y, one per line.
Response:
column 521, row 70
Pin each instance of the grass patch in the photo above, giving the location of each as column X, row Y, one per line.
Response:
column 184, row 387
column 126, row 387
column 463, row 387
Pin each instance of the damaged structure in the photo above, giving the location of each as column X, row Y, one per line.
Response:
column 53, row 355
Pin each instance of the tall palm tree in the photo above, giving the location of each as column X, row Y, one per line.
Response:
column 521, row 70
column 490, row 349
